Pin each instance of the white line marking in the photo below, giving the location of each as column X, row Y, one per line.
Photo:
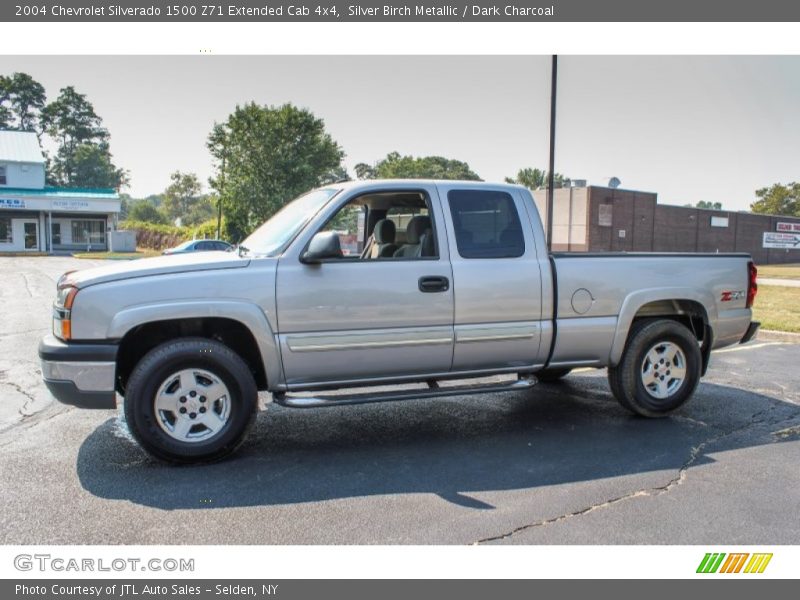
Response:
column 753, row 347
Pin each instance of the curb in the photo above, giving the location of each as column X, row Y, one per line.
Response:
column 778, row 336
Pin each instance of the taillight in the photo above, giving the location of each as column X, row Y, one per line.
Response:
column 752, row 285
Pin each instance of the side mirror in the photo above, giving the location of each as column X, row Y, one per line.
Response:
column 323, row 245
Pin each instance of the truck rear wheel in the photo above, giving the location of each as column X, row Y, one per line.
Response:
column 191, row 400
column 659, row 370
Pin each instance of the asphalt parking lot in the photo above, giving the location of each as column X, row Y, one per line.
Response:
column 561, row 464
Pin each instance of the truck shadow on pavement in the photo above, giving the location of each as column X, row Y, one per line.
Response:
column 568, row 432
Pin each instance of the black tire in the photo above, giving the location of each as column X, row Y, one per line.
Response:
column 627, row 379
column 190, row 353
column 552, row 375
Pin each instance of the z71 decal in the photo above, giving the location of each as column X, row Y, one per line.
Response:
column 728, row 296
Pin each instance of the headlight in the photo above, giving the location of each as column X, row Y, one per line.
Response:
column 65, row 296
column 62, row 311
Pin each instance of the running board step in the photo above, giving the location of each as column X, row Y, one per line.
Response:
column 433, row 391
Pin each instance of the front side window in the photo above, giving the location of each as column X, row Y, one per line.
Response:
column 88, row 232
column 6, row 236
column 387, row 225
column 486, row 224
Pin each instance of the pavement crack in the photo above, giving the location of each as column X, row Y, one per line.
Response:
column 755, row 420
column 22, row 391
column 27, row 285
column 28, row 422
column 26, row 332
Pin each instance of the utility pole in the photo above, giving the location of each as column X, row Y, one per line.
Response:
column 551, row 169
column 219, row 200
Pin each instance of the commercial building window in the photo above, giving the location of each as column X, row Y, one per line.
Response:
column 56, row 233
column 2, row 175
column 486, row 224
column 88, row 232
column 5, row 231
column 719, row 221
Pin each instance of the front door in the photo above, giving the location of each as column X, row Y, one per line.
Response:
column 31, row 235
column 360, row 320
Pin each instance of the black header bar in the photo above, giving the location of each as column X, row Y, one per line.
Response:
column 399, row 11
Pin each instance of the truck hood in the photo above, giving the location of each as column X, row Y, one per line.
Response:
column 161, row 265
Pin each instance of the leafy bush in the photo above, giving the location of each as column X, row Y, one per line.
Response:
column 146, row 212
column 160, row 237
column 208, row 230
column 157, row 237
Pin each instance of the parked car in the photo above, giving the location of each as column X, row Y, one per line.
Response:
column 450, row 280
column 198, row 246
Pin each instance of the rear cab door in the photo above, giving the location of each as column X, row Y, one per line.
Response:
column 498, row 311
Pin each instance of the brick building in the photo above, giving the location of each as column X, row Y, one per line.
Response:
column 602, row 219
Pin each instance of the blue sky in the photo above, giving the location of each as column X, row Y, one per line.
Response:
column 688, row 128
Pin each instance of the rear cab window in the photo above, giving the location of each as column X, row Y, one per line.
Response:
column 486, row 224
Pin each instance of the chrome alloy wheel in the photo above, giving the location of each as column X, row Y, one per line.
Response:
column 663, row 370
column 192, row 405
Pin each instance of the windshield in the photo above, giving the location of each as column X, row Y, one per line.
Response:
column 275, row 234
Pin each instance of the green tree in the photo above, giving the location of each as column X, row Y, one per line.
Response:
column 92, row 168
column 334, row 175
column 265, row 156
column 365, row 171
column 83, row 157
column 202, row 210
column 181, row 195
column 142, row 210
column 396, row 166
column 5, row 102
column 706, row 204
column 536, row 178
column 22, row 99
column 778, row 199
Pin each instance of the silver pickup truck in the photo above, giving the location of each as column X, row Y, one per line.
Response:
column 377, row 283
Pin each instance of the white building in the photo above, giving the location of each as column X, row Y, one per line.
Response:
column 37, row 218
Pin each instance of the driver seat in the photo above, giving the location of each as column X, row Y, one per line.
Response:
column 384, row 236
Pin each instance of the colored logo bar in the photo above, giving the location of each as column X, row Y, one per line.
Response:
column 736, row 562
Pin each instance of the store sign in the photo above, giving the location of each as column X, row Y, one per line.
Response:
column 12, row 203
column 788, row 227
column 774, row 239
column 70, row 204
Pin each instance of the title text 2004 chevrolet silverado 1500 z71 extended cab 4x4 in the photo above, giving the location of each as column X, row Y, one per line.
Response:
column 376, row 283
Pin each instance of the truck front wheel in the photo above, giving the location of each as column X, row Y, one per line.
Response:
column 191, row 400
column 659, row 370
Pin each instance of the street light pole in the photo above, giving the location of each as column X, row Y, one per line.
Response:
column 551, row 169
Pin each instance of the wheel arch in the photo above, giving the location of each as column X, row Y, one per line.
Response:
column 243, row 327
column 694, row 309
